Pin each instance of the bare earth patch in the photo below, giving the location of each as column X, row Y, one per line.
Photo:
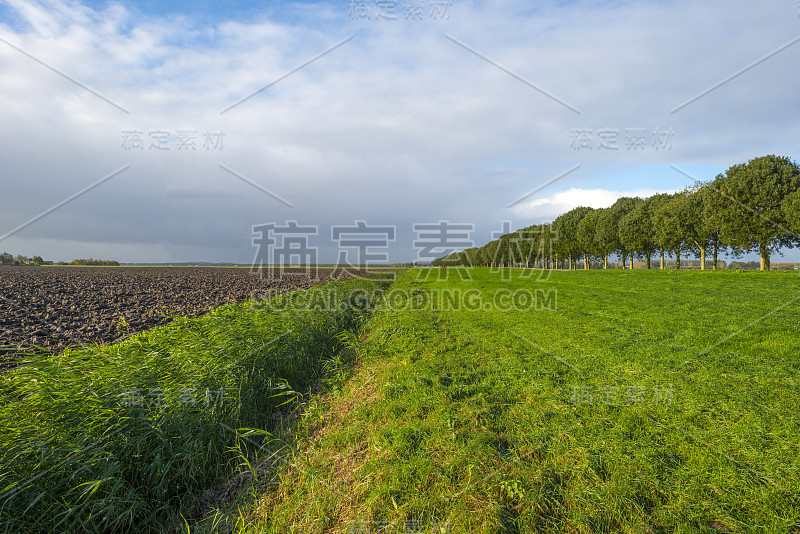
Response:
column 51, row 308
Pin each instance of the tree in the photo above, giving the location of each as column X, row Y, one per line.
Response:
column 748, row 205
column 606, row 234
column 670, row 234
column 655, row 205
column 687, row 216
column 636, row 230
column 501, row 251
column 490, row 251
column 526, row 245
column 540, row 242
column 610, row 227
column 699, row 230
column 481, row 258
column 711, row 223
column 597, row 235
column 474, row 257
column 544, row 246
column 531, row 245
column 565, row 228
column 586, row 235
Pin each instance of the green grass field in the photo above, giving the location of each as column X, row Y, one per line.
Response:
column 629, row 401
column 582, row 401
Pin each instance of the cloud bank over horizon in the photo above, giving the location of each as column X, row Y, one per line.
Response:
column 450, row 115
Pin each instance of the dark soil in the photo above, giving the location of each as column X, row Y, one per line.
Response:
column 50, row 308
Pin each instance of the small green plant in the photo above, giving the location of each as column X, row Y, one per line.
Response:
column 512, row 490
column 123, row 325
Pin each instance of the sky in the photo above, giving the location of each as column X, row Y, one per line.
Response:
column 165, row 132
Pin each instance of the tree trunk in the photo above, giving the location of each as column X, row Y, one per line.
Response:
column 631, row 261
column 605, row 261
column 702, row 258
column 648, row 262
column 764, row 257
column 662, row 260
column 585, row 262
column 678, row 259
column 624, row 259
column 716, row 247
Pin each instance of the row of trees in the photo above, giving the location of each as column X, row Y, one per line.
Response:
column 92, row 261
column 752, row 207
column 8, row 259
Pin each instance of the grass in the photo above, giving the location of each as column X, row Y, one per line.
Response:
column 641, row 401
column 127, row 437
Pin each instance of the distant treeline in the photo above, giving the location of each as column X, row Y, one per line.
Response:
column 92, row 261
column 752, row 207
column 8, row 259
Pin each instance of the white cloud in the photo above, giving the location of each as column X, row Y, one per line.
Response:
column 396, row 126
column 563, row 201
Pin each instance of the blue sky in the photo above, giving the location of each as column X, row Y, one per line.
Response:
column 445, row 115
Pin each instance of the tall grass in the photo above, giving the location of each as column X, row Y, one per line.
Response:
column 126, row 436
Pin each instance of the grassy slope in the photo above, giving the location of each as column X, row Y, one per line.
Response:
column 584, row 419
column 127, row 436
